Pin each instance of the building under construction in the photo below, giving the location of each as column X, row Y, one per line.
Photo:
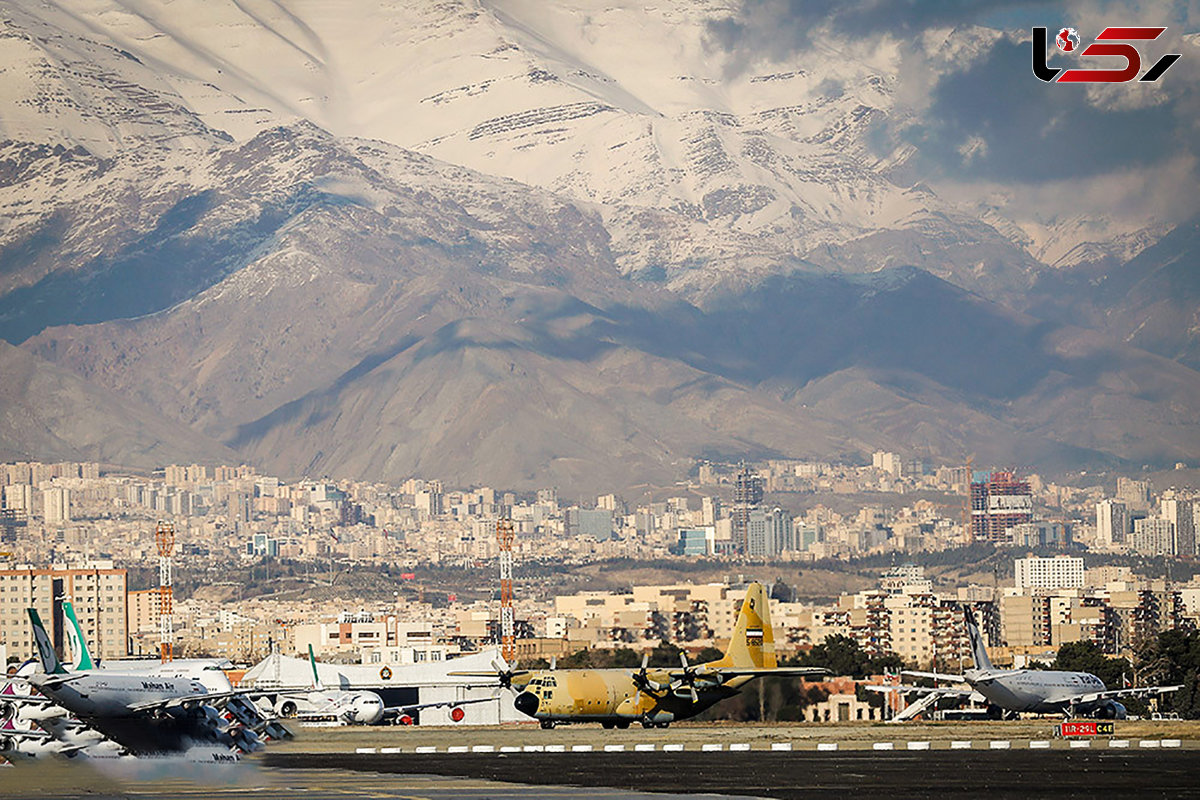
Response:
column 747, row 496
column 999, row 500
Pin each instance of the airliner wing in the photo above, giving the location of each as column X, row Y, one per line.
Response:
column 1140, row 691
column 937, row 676
column 191, row 699
column 397, row 710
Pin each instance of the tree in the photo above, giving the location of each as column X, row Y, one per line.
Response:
column 841, row 655
column 1171, row 658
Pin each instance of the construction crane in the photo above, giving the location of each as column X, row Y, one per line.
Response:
column 164, row 537
column 508, row 636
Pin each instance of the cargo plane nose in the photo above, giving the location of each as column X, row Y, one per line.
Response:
column 526, row 703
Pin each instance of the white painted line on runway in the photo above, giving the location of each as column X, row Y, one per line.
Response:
column 581, row 748
column 1149, row 743
column 364, row 750
column 1081, row 743
column 1172, row 743
column 389, row 750
column 510, row 749
column 781, row 746
column 918, row 745
column 708, row 748
column 614, row 748
column 1118, row 743
column 643, row 748
column 883, row 746
column 483, row 748
column 740, row 746
column 556, row 748
column 458, row 748
column 673, row 748
column 959, row 744
column 826, row 746
column 999, row 744
column 1039, row 744
column 533, row 748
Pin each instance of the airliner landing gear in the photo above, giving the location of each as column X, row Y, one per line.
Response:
column 547, row 724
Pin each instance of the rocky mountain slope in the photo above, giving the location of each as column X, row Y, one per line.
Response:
column 491, row 245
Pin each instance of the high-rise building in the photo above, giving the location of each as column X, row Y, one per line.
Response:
column 768, row 533
column 999, row 500
column 97, row 592
column 57, row 504
column 1060, row 572
column 1134, row 494
column 1180, row 512
column 1111, row 523
column 747, row 495
column 1153, row 536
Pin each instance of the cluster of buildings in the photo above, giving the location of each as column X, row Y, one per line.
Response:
column 71, row 530
column 73, row 512
column 1052, row 601
column 1134, row 521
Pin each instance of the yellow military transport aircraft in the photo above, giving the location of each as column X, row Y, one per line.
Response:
column 655, row 696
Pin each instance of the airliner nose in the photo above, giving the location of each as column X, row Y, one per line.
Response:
column 526, row 703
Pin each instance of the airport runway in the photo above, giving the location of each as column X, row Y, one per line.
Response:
column 936, row 773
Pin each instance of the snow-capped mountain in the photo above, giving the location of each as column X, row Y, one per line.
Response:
column 516, row 243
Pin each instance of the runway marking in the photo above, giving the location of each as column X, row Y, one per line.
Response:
column 556, row 748
column 918, row 745
column 364, row 749
column 458, row 748
column 533, row 748
column 672, row 748
column 781, row 746
column 643, row 748
column 483, row 748
column 1081, row 743
column 581, row 748
column 708, row 748
column 426, row 749
column 389, row 750
column 1118, row 743
column 1172, row 743
column 1039, row 744
column 614, row 748
column 883, row 746
column 826, row 746
column 510, row 749
column 739, row 746
column 1149, row 743
column 999, row 744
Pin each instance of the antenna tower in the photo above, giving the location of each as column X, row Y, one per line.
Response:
column 164, row 536
column 508, row 637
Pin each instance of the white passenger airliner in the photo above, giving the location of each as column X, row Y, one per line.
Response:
column 1030, row 690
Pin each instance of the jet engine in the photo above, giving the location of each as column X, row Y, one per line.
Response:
column 1110, row 709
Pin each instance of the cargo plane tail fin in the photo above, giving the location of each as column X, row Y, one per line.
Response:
column 753, row 642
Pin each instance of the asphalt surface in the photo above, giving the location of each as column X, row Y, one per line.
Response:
column 938, row 773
